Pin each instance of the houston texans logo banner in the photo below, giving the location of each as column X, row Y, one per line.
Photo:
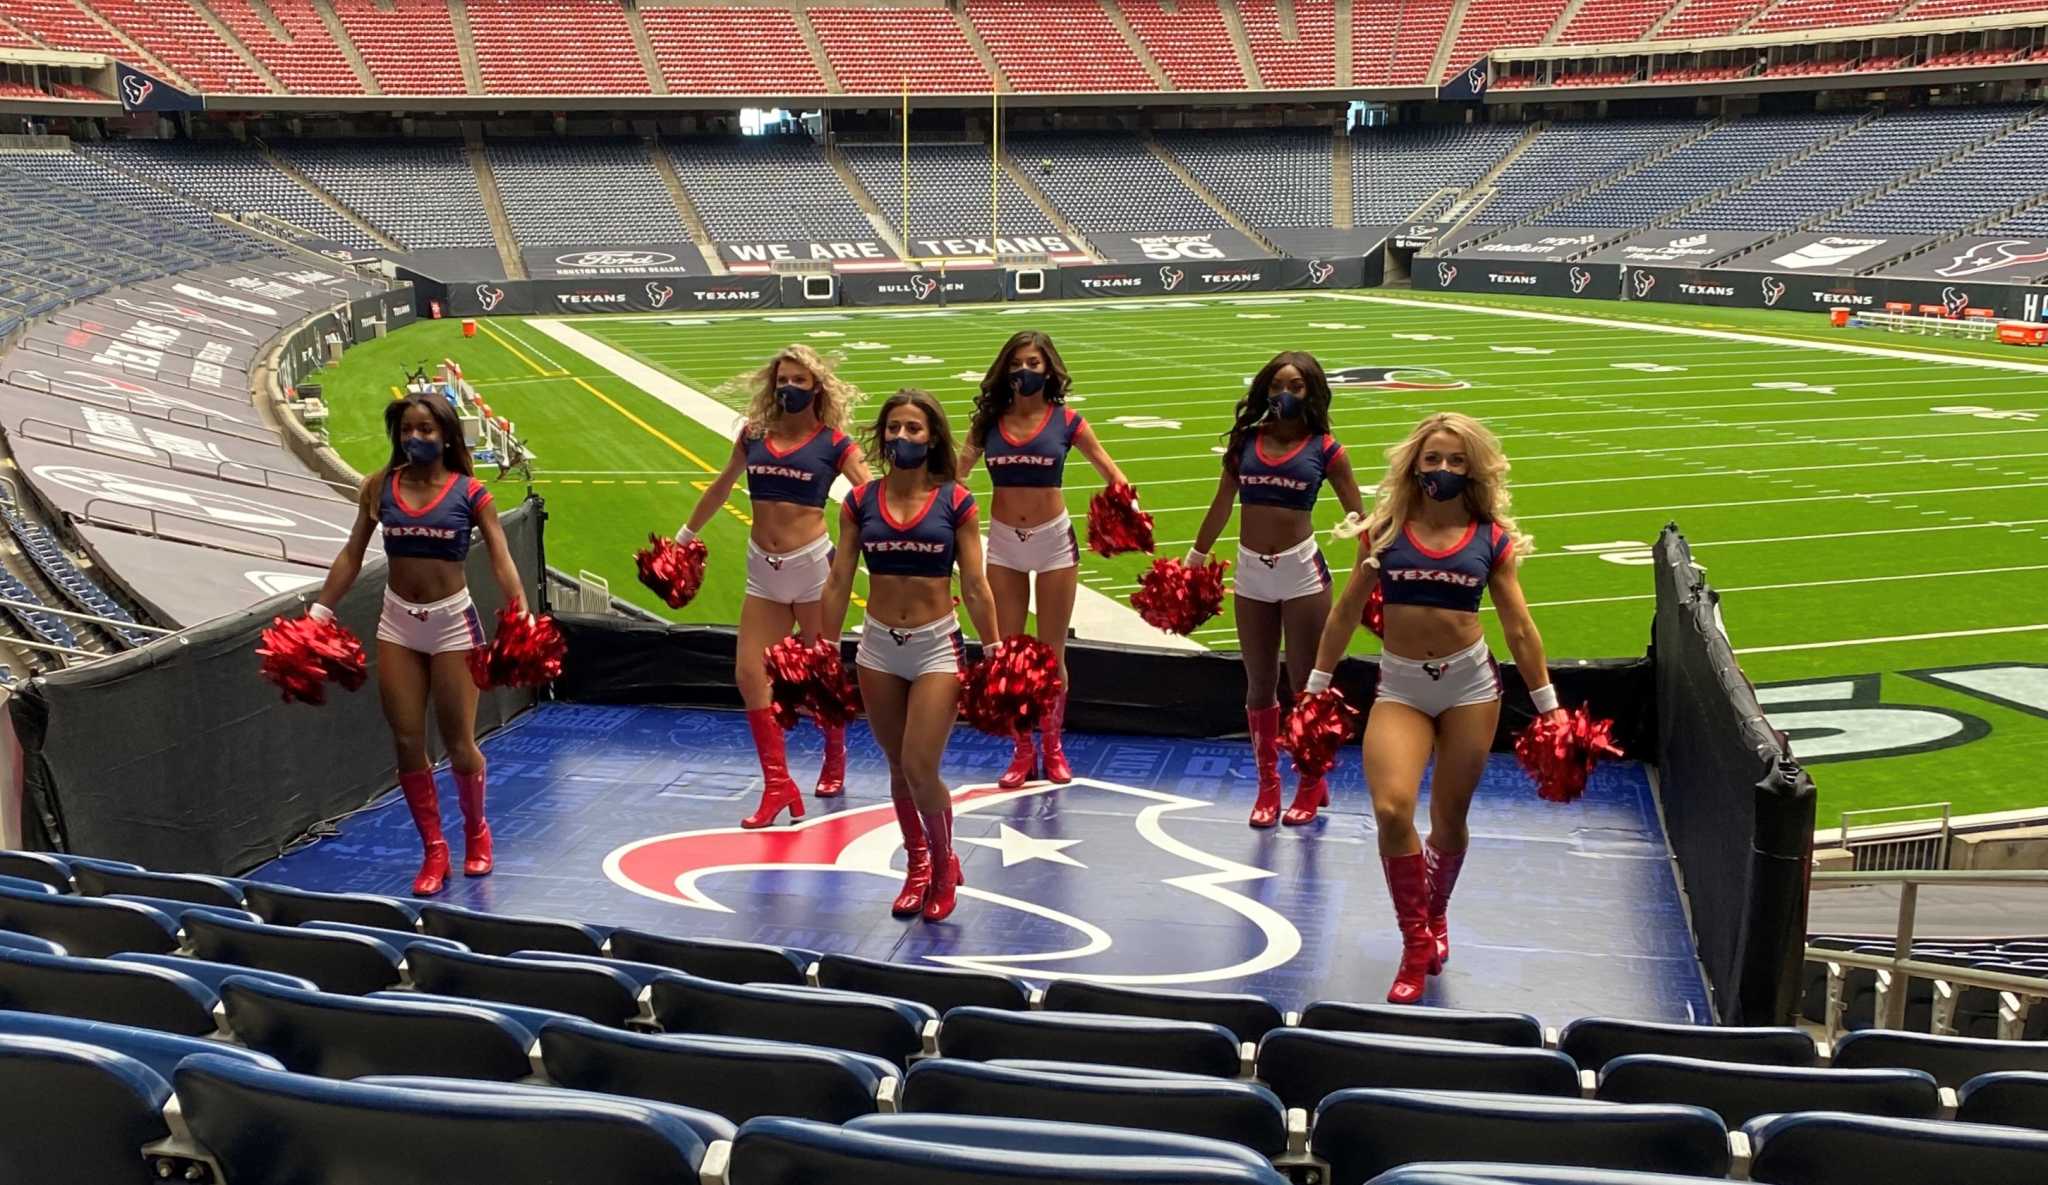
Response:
column 1467, row 85
column 140, row 92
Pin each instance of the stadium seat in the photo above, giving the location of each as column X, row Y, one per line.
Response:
column 1243, row 1113
column 1495, row 1028
column 889, row 1029
column 1952, row 1060
column 501, row 934
column 579, row 989
column 1595, row 1041
column 740, row 1078
column 1303, row 1066
column 336, row 1036
column 533, row 1020
column 705, row 1124
column 78, row 1114
column 1249, row 1017
column 1364, row 1132
column 403, row 941
column 179, row 909
column 641, row 974
column 1440, row 1172
column 710, row 958
column 1829, row 1148
column 100, row 989
column 268, row 1126
column 17, row 884
column 282, row 905
column 1739, row 1093
column 2016, row 1098
column 987, row 1034
column 95, row 880
column 89, row 926
column 158, row 1050
column 943, row 988
column 346, row 963
column 37, row 866
column 214, row 974
column 44, row 946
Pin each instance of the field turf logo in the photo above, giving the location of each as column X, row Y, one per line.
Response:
column 1394, row 378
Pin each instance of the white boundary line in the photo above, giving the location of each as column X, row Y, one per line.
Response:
column 2001, row 629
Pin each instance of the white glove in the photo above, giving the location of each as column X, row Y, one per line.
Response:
column 319, row 612
column 1318, row 681
column 684, row 534
column 1197, row 559
column 1352, row 526
column 1545, row 698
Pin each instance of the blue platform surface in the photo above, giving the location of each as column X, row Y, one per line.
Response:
column 1143, row 871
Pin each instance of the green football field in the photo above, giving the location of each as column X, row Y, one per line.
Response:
column 1874, row 516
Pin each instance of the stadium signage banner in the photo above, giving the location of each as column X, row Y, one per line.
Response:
column 1417, row 234
column 1682, row 248
column 116, row 431
column 1191, row 279
column 1054, row 246
column 1987, row 259
column 1829, row 254
column 184, row 585
column 72, row 380
column 850, row 254
column 1770, row 290
column 1467, row 85
column 1193, row 246
column 665, row 294
column 1545, row 243
column 1534, row 277
column 141, row 92
column 971, row 285
column 661, row 259
column 145, row 354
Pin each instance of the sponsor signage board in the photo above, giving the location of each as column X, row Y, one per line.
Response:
column 1827, row 253
column 148, row 438
column 621, row 295
column 183, row 585
column 931, row 288
column 1192, row 246
column 1535, row 277
column 1547, row 244
column 743, row 258
column 659, row 259
column 1984, row 259
column 1056, row 247
column 1683, row 248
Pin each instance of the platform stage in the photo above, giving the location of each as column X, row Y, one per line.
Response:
column 1143, row 871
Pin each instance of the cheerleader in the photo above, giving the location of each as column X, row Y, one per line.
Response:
column 913, row 528
column 426, row 500
column 1277, row 456
column 791, row 447
column 1022, row 431
column 1439, row 535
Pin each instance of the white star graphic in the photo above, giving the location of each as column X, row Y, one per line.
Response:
column 1018, row 847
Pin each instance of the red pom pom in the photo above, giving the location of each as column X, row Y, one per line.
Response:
column 1178, row 599
column 1007, row 692
column 1559, row 752
column 835, row 691
column 526, row 652
column 1375, row 616
column 674, row 571
column 789, row 679
column 301, row 654
column 1316, row 728
column 810, row 680
column 1116, row 525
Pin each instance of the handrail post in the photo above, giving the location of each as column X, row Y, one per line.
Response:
column 1902, row 949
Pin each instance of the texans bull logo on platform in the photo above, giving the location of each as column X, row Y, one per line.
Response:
column 1320, row 272
column 1955, row 301
column 1991, row 257
column 137, row 89
column 1580, row 278
column 1394, row 378
column 1774, row 291
column 659, row 294
column 489, row 296
column 1445, row 273
column 1644, row 281
column 922, row 287
column 1171, row 276
column 1031, row 895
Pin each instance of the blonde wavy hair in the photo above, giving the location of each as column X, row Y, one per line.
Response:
column 834, row 399
column 1486, row 492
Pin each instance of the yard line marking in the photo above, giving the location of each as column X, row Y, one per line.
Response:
column 1933, row 637
column 513, row 350
column 1797, row 585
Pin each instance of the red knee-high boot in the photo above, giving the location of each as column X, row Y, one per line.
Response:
column 476, row 829
column 1443, row 877
column 832, row 774
column 418, row 785
column 918, row 867
column 1057, row 771
column 1023, row 764
column 777, row 790
column 1408, row 884
column 938, row 832
column 1310, row 794
column 1265, row 728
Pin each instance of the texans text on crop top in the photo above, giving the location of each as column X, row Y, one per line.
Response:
column 803, row 474
column 1291, row 479
column 440, row 529
column 1039, row 459
column 921, row 546
column 1454, row 578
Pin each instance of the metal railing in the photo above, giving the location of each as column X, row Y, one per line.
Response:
column 1907, row 846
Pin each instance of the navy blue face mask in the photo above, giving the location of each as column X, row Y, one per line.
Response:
column 1286, row 404
column 792, row 399
column 1442, row 484
column 907, row 454
column 1027, row 382
column 419, row 450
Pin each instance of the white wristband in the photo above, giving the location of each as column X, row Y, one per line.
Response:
column 684, row 534
column 1197, row 559
column 319, row 612
column 1318, row 681
column 1544, row 697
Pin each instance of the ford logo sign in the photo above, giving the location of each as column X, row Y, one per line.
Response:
column 614, row 259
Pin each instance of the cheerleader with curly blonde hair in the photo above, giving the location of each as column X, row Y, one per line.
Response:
column 1439, row 536
column 791, row 448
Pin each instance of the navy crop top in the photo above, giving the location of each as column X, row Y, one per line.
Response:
column 1411, row 574
column 803, row 474
column 1039, row 459
column 1292, row 479
column 440, row 529
column 922, row 546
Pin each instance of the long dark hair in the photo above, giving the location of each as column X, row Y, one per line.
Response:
column 996, row 392
column 940, row 459
column 1256, row 405
column 454, row 450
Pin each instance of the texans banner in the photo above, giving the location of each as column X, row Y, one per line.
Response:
column 660, row 259
column 1055, row 247
column 1833, row 254
column 1547, row 243
column 842, row 254
column 1198, row 246
column 1196, row 279
column 666, row 294
column 932, row 289
column 1994, row 259
column 1695, row 248
column 1536, row 278
column 1467, row 85
column 140, row 92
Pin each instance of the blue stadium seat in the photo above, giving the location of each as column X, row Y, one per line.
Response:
column 737, row 1077
column 335, row 1036
column 1739, row 1093
column 986, row 1034
column 1830, row 1148
column 403, row 941
column 158, row 1050
column 73, row 863
column 579, row 989
column 708, row 1126
column 214, row 974
column 95, row 880
column 1440, row 1172
column 1303, row 1066
column 37, row 866
column 1394, row 1020
column 501, row 934
column 1595, row 1041
column 1247, row 1016
column 889, row 1029
column 1952, row 1060
column 943, row 988
column 180, row 909
column 1365, row 1132
column 282, row 905
column 42, row 946
column 99, row 989
column 641, row 974
column 347, row 963
column 78, row 1114
column 268, row 1126
column 2016, row 1098
column 89, row 926
column 19, row 884
column 712, row 958
column 533, row 1020
column 1243, row 1113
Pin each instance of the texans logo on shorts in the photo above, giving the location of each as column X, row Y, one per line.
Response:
column 1435, row 670
column 1022, row 535
column 901, row 636
column 1269, row 560
column 417, row 614
column 774, row 561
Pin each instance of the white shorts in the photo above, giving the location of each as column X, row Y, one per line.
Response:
column 934, row 649
column 1297, row 572
column 1432, row 687
column 793, row 579
column 450, row 623
column 1047, row 547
